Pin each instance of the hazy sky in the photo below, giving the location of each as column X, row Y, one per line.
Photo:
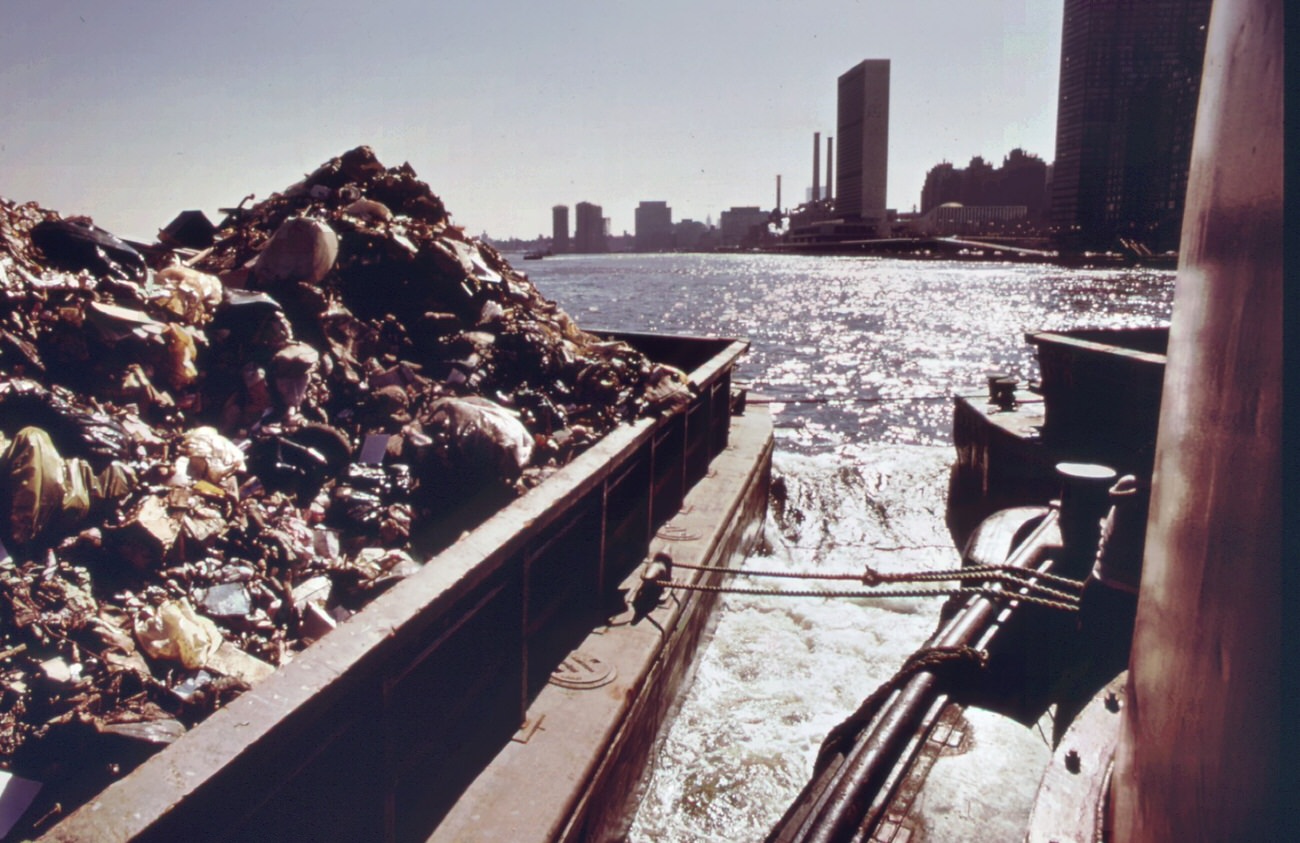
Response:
column 133, row 110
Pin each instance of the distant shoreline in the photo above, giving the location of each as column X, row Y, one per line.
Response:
column 931, row 249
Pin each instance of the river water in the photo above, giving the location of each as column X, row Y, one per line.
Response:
column 860, row 358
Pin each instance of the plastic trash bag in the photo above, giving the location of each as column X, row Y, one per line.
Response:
column 189, row 294
column 292, row 367
column 76, row 431
column 473, row 435
column 181, row 352
column 73, row 245
column 212, row 456
column 369, row 210
column 42, row 493
column 667, row 388
column 300, row 250
column 175, row 632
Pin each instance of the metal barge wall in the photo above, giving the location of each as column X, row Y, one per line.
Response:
column 375, row 731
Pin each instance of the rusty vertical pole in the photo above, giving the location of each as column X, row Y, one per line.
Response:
column 1198, row 757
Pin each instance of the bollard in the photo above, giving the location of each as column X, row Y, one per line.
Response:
column 1123, row 532
column 1108, row 604
column 1084, row 501
column 1004, row 393
column 1002, row 390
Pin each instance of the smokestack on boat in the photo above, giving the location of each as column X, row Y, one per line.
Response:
column 1198, row 755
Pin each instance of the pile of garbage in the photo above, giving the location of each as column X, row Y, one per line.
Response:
column 215, row 448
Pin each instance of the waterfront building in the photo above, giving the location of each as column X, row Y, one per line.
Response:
column 690, row 234
column 743, row 226
column 589, row 235
column 1021, row 180
column 953, row 218
column 654, row 227
column 863, row 132
column 1130, row 78
column 979, row 177
column 560, row 229
column 942, row 185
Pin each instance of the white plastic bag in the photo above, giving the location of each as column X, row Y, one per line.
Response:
column 212, row 456
column 175, row 632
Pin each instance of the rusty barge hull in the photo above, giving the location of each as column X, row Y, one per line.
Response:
column 1098, row 401
column 386, row 729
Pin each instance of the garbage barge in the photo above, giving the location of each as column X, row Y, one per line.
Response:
column 497, row 688
column 312, row 513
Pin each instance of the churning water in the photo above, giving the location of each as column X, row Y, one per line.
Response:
column 860, row 358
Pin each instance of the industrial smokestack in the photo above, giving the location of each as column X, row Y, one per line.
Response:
column 778, row 193
column 830, row 154
column 817, row 166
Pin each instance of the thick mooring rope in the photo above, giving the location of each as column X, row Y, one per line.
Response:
column 795, row 575
column 972, row 572
column 1068, row 590
column 1065, row 605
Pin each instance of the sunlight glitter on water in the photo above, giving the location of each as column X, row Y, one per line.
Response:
column 864, row 328
column 866, row 354
column 779, row 672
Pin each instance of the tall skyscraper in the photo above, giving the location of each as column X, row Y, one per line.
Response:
column 560, row 229
column 1130, row 78
column 863, row 130
column 589, row 234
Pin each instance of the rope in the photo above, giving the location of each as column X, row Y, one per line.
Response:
column 1007, row 574
column 840, row 739
column 794, row 575
column 991, row 593
column 1002, row 577
column 972, row 571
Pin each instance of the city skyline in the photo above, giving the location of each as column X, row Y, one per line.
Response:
column 131, row 115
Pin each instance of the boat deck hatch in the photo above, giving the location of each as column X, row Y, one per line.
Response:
column 581, row 671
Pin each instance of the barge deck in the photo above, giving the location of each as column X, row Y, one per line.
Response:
column 572, row 770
